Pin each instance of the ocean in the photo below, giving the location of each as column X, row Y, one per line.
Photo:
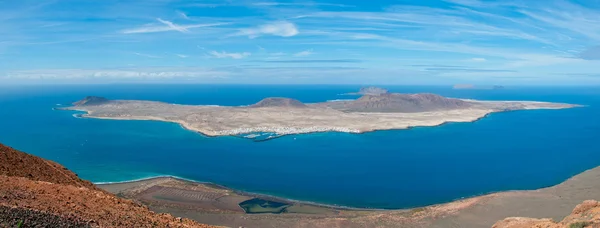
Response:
column 383, row 169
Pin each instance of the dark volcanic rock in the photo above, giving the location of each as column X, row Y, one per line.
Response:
column 397, row 102
column 279, row 102
column 91, row 100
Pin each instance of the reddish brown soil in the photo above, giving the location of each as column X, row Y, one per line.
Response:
column 14, row 163
column 586, row 214
column 40, row 190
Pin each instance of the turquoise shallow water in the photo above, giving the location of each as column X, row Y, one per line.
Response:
column 384, row 169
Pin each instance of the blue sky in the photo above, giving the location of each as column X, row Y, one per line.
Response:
column 554, row 42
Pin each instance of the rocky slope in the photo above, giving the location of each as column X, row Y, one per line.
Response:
column 41, row 193
column 91, row 100
column 278, row 102
column 398, row 102
column 586, row 214
column 15, row 163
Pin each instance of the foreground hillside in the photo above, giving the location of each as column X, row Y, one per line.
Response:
column 39, row 193
column 586, row 214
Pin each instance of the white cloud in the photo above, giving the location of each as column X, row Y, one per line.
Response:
column 206, row 5
column 182, row 56
column 183, row 15
column 478, row 59
column 167, row 26
column 304, row 53
column 297, row 4
column 277, row 54
column 146, row 55
column 279, row 28
column 173, row 26
column 234, row 55
column 122, row 73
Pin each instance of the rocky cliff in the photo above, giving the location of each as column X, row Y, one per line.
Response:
column 39, row 193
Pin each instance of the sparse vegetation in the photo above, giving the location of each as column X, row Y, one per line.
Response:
column 579, row 224
column 417, row 210
column 20, row 224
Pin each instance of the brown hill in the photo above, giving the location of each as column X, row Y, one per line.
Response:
column 372, row 91
column 41, row 193
column 279, row 102
column 586, row 214
column 91, row 100
column 398, row 102
column 15, row 163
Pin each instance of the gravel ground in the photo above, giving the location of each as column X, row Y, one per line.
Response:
column 11, row 217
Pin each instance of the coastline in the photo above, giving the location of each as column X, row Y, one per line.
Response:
column 460, row 206
column 332, row 206
column 215, row 121
column 89, row 114
column 237, row 191
column 236, row 132
column 554, row 201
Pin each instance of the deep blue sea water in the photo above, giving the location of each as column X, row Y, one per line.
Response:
column 384, row 169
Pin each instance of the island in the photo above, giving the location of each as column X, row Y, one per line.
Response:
column 370, row 90
column 284, row 116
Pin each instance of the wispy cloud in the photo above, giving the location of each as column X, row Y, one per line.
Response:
column 478, row 59
column 314, row 61
column 279, row 28
column 173, row 26
column 146, row 55
column 206, row 5
column 571, row 17
column 183, row 15
column 234, row 55
column 118, row 73
column 592, row 53
column 457, row 68
column 463, row 40
column 299, row 4
column 304, row 53
column 465, row 69
column 585, row 75
column 168, row 26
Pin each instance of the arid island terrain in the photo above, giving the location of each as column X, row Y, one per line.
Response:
column 376, row 109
